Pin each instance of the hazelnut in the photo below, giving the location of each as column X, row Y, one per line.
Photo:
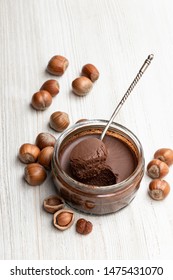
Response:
column 157, row 169
column 63, row 219
column 158, row 189
column 28, row 153
column 90, row 71
column 41, row 100
column 52, row 86
column 81, row 120
column 165, row 155
column 83, row 227
column 45, row 157
column 57, row 65
column 59, row 121
column 81, row 86
column 45, row 139
column 53, row 203
column 35, row 174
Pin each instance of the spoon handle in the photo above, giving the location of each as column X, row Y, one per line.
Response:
column 131, row 87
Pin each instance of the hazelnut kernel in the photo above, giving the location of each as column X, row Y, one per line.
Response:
column 157, row 169
column 45, row 139
column 81, row 86
column 35, row 174
column 158, row 189
column 84, row 227
column 45, row 157
column 57, row 65
column 28, row 153
column 90, row 71
column 165, row 155
column 59, row 121
column 52, row 86
column 63, row 219
column 41, row 100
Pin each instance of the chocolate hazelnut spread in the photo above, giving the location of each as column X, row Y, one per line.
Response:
column 120, row 160
column 87, row 160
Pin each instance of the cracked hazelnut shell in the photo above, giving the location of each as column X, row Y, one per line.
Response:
column 53, row 203
column 63, row 219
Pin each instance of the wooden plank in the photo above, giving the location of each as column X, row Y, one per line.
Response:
column 116, row 36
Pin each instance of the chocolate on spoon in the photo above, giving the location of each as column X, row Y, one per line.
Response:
column 105, row 177
column 87, row 158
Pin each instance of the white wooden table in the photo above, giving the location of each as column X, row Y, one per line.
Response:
column 116, row 36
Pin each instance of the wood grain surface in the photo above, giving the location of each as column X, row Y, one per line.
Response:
column 116, row 36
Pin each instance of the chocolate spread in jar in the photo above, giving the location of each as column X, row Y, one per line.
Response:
column 121, row 159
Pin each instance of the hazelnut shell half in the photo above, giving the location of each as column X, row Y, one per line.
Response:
column 53, row 203
column 63, row 219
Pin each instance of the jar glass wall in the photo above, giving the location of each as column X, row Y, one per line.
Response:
column 97, row 199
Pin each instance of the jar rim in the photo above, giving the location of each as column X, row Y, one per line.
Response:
column 98, row 123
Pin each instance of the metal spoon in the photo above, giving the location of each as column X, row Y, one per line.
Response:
column 126, row 95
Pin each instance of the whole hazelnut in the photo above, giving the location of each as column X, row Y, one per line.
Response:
column 53, row 203
column 157, row 169
column 81, row 86
column 52, row 86
column 57, row 65
column 45, row 157
column 41, row 100
column 90, row 71
column 28, row 153
column 83, row 227
column 165, row 155
column 63, row 219
column 35, row 174
column 59, row 121
column 45, row 139
column 158, row 189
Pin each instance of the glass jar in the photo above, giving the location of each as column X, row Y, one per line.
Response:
column 97, row 199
